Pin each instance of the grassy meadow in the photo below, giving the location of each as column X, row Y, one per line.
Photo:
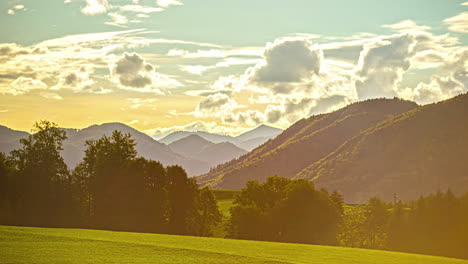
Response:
column 56, row 245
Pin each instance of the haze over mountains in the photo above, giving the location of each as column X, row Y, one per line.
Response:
column 195, row 159
column 248, row 140
column 376, row 147
column 198, row 148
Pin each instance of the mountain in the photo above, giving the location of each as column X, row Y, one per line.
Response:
column 251, row 144
column 304, row 143
column 416, row 153
column 262, row 131
column 9, row 139
column 74, row 146
column 146, row 147
column 190, row 145
column 248, row 140
column 199, row 148
column 215, row 138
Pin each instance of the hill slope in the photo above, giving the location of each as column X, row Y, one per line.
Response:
column 196, row 147
column 417, row 153
column 304, row 143
column 49, row 245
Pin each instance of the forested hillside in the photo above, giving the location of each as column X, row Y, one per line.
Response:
column 304, row 143
column 417, row 153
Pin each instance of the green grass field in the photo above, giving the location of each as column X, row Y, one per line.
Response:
column 55, row 245
column 225, row 199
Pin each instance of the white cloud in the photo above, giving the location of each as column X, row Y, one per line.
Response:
column 382, row 65
column 23, row 85
column 168, row 3
column 132, row 72
column 137, row 103
column 140, row 9
column 77, row 81
column 117, row 20
column 95, row 7
column 216, row 105
column 19, row 7
column 406, row 26
column 290, row 60
column 10, row 12
column 195, row 69
column 458, row 23
column 212, row 53
column 50, row 95
column 213, row 127
column 56, row 59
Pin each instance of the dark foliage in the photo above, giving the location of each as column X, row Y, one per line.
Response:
column 285, row 210
column 111, row 188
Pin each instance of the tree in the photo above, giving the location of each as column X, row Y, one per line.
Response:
column 7, row 190
column 104, row 171
column 208, row 214
column 377, row 217
column 285, row 210
column 182, row 193
column 42, row 176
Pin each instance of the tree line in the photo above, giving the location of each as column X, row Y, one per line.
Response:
column 436, row 224
column 286, row 210
column 112, row 188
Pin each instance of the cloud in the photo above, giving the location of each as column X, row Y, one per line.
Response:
column 458, row 23
column 50, row 95
column 95, row 7
column 382, row 65
column 216, row 105
column 406, row 26
column 212, row 53
column 212, row 127
column 56, row 60
column 196, row 69
column 10, row 12
column 132, row 72
column 23, row 85
column 137, row 103
column 140, row 9
column 168, row 3
column 449, row 82
column 117, row 20
column 78, row 81
column 290, row 60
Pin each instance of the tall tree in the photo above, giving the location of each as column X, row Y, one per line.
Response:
column 182, row 193
column 104, row 168
column 42, row 176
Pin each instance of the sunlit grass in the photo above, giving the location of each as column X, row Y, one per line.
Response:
column 47, row 245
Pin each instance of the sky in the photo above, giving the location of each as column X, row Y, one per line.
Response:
column 222, row 66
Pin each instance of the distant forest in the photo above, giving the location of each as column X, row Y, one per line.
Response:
column 114, row 189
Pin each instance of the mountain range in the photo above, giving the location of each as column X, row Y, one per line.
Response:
column 381, row 147
column 196, row 147
column 195, row 160
column 378, row 147
column 248, row 140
